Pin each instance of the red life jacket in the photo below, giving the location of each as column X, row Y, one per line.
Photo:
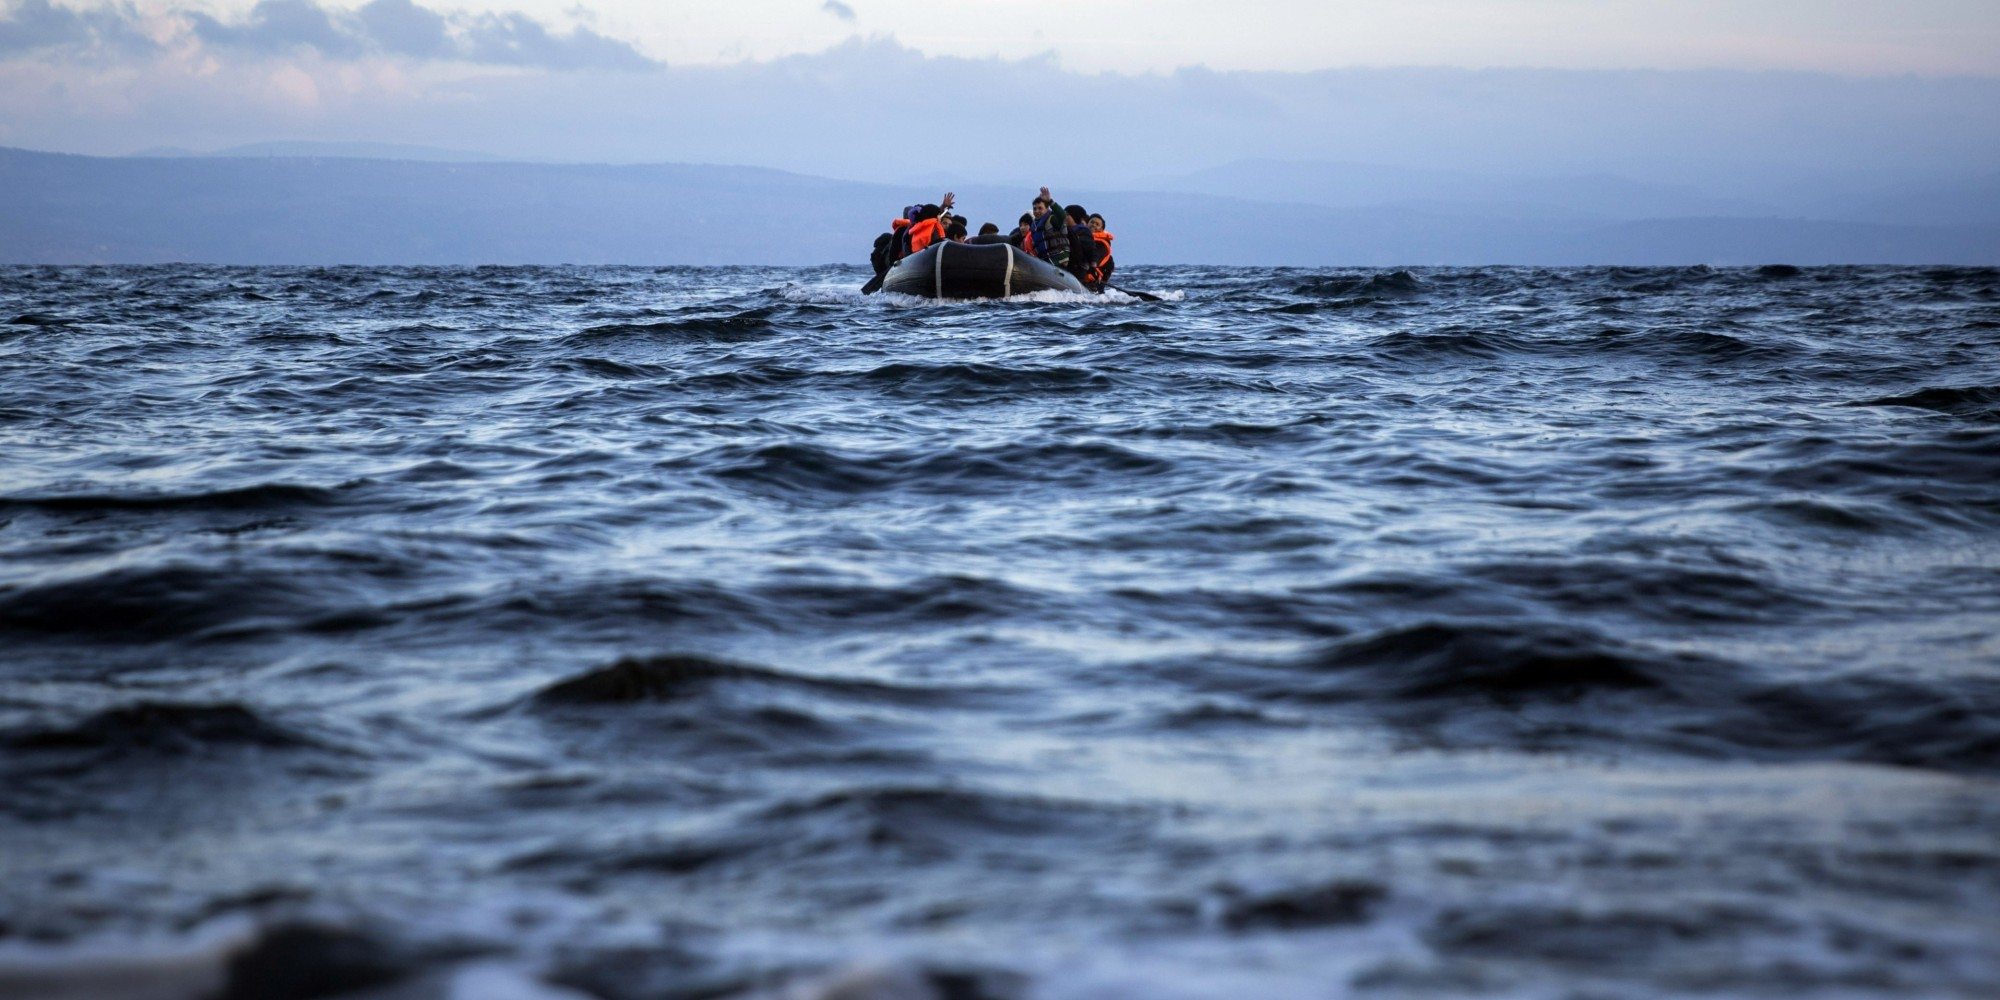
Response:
column 925, row 233
column 1096, row 275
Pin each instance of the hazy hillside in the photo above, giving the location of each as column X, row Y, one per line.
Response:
column 75, row 209
column 348, row 150
column 1356, row 185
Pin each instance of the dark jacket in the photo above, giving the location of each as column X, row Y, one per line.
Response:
column 1083, row 251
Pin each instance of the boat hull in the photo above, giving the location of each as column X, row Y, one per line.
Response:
column 976, row 271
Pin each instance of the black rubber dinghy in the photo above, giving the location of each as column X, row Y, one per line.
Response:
column 975, row 271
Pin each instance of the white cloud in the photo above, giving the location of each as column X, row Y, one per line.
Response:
column 287, row 28
column 30, row 26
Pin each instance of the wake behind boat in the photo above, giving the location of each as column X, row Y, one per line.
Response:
column 949, row 270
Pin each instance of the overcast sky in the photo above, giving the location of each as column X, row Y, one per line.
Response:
column 1840, row 36
column 1110, row 90
column 1846, row 36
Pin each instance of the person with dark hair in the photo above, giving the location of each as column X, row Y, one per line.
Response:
column 1048, row 235
column 955, row 232
column 1103, row 237
column 1083, row 253
column 1019, row 235
column 895, row 244
column 990, row 233
column 928, row 229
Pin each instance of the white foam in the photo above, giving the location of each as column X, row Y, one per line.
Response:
column 820, row 294
column 1110, row 298
column 504, row 981
column 848, row 295
column 150, row 967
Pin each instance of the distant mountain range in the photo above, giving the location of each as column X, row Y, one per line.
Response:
column 369, row 204
column 1363, row 185
column 334, row 150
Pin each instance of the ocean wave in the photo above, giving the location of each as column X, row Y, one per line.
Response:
column 1550, row 686
column 944, row 819
column 960, row 377
column 1451, row 342
column 1664, row 592
column 809, row 471
column 151, row 602
column 708, row 631
column 161, row 727
column 1676, row 342
column 40, row 320
column 1330, row 904
column 257, row 497
column 742, row 325
column 1391, row 284
column 1979, row 402
column 676, row 677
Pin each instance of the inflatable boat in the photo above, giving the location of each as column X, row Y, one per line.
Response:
column 975, row 271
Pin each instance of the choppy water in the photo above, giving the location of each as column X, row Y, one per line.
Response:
column 673, row 633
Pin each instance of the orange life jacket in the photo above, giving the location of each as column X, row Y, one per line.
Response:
column 1096, row 275
column 899, row 239
column 925, row 233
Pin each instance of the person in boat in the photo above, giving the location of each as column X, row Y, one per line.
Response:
column 1105, row 264
column 1020, row 231
column 896, row 244
column 1083, row 253
column 888, row 247
column 928, row 229
column 990, row 233
column 1048, row 234
column 955, row 232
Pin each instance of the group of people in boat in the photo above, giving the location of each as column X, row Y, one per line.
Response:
column 1065, row 236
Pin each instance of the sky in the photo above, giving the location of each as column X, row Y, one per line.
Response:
column 1928, row 37
column 1739, row 98
column 1138, row 36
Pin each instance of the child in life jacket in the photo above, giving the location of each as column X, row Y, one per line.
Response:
column 1105, row 264
column 1083, row 246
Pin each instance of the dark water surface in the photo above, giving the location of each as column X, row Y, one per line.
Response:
column 640, row 633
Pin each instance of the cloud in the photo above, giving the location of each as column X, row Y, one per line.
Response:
column 35, row 25
column 278, row 26
column 839, row 10
column 519, row 40
column 402, row 28
column 394, row 28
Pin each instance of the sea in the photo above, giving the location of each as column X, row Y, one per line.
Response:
column 551, row 633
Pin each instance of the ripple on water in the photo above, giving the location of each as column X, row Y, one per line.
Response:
column 658, row 632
